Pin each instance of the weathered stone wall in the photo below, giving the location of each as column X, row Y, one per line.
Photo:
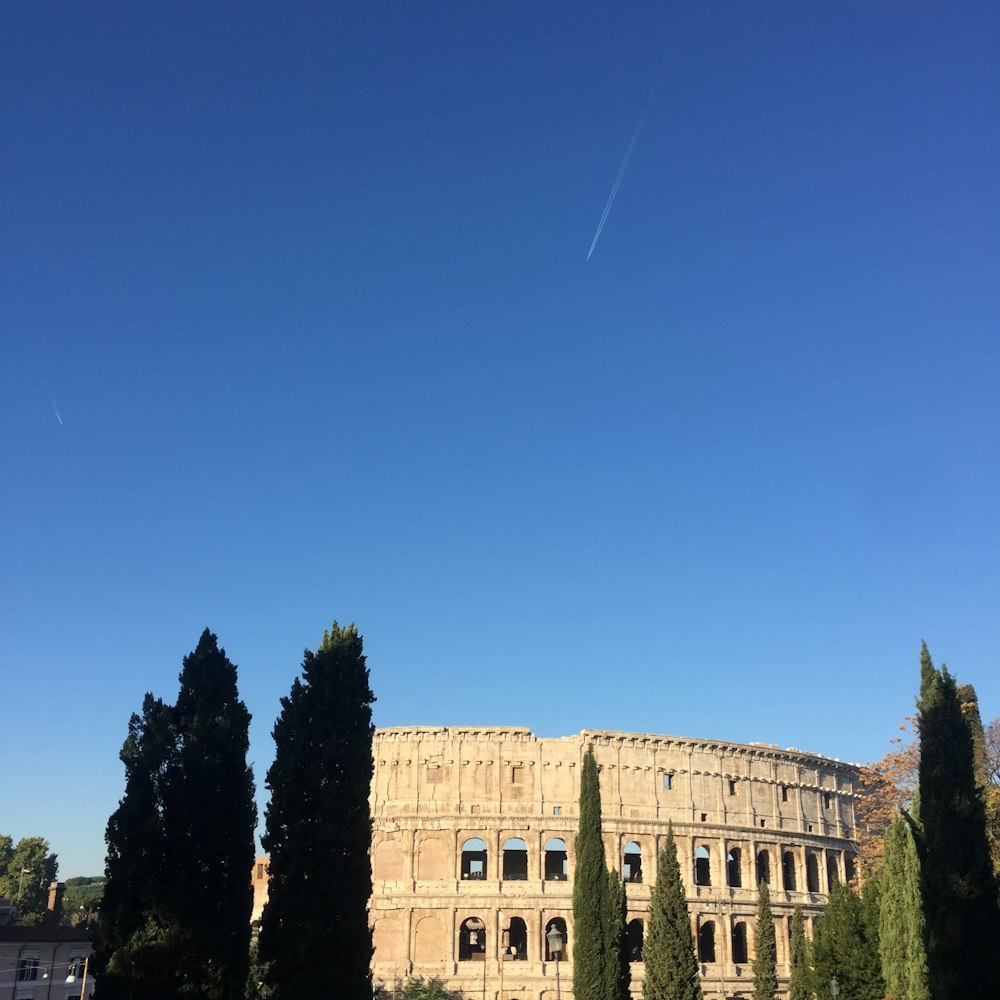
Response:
column 748, row 807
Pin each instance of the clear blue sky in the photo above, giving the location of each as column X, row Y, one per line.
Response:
column 297, row 324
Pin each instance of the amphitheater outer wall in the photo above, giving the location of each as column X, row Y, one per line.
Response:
column 477, row 917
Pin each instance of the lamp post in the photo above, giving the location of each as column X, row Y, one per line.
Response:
column 555, row 940
column 834, row 988
column 20, row 888
column 71, row 978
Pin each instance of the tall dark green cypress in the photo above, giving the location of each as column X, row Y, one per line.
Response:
column 314, row 929
column 901, row 919
column 211, row 821
column 593, row 959
column 620, row 970
column 846, row 946
column 800, row 973
column 765, row 963
column 668, row 952
column 956, row 877
column 176, row 910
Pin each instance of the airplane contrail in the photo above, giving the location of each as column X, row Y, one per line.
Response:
column 621, row 169
column 55, row 410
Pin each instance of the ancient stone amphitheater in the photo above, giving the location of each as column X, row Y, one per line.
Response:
column 472, row 849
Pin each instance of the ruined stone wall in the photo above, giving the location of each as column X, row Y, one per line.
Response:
column 478, row 918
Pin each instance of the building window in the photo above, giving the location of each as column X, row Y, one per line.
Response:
column 515, row 860
column 734, row 873
column 740, row 943
column 517, row 775
column 632, row 862
column 558, row 924
column 556, row 864
column 788, row 871
column 732, row 786
column 667, row 782
column 826, row 800
column 704, row 817
column 474, row 859
column 702, row 866
column 557, row 810
column 812, row 873
column 516, row 943
column 706, row 942
column 27, row 969
column 763, row 867
column 784, row 793
column 634, row 933
column 472, row 941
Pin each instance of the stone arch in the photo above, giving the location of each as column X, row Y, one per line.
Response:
column 734, row 868
column 472, row 940
column 740, row 943
column 515, row 860
column 763, row 867
column 516, row 943
column 474, row 855
column 706, row 941
column 812, row 873
column 632, row 862
column 432, row 860
column 387, row 935
column 388, row 862
column 560, row 924
column 635, row 933
column 788, row 871
column 702, row 865
column 428, row 941
column 556, row 863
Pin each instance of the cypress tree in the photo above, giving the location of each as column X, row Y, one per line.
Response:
column 668, row 952
column 901, row 920
column 798, row 982
column 595, row 964
column 765, row 963
column 845, row 946
column 211, row 822
column 177, row 898
column 956, row 877
column 314, row 929
column 619, row 967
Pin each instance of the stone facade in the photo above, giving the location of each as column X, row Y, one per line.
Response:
column 472, row 849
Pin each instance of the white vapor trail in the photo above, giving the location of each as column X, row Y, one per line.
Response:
column 621, row 169
column 55, row 410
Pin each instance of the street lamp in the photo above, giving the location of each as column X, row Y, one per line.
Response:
column 20, row 888
column 71, row 978
column 834, row 988
column 555, row 940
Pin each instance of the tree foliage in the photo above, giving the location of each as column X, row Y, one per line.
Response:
column 27, row 868
column 595, row 959
column 618, row 938
column 765, row 963
column 886, row 786
column 668, row 951
column 177, row 898
column 845, row 945
column 901, row 918
column 429, row 989
column 318, row 829
column 956, row 876
column 800, row 962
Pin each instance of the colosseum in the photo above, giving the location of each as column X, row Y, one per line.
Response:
column 472, row 850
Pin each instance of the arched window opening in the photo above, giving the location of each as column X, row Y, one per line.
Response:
column 559, row 924
column 706, row 942
column 634, row 933
column 472, row 941
column 763, row 867
column 812, row 873
column 734, row 873
column 474, row 859
column 788, row 871
column 632, row 862
column 740, row 943
column 702, row 866
column 849, row 869
column 516, row 941
column 832, row 873
column 556, row 865
column 515, row 860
